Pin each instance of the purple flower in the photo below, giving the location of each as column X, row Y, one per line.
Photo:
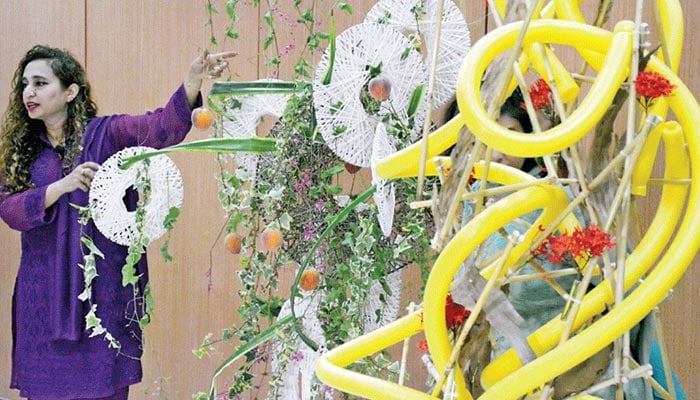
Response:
column 298, row 187
column 309, row 232
column 319, row 204
column 297, row 356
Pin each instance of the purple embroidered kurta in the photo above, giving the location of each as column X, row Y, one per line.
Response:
column 52, row 357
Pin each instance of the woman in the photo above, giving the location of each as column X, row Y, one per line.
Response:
column 51, row 145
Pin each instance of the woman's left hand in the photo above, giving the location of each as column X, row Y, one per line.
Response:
column 206, row 65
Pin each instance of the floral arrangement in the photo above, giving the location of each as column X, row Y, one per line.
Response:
column 346, row 268
column 292, row 215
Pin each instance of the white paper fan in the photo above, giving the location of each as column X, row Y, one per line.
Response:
column 243, row 120
column 342, row 119
column 408, row 17
column 111, row 184
column 385, row 195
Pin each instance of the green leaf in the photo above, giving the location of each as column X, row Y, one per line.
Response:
column 225, row 89
column 285, row 221
column 332, row 171
column 169, row 221
column 264, row 337
column 254, row 145
column 231, row 8
column 92, row 248
column 345, row 7
column 331, row 55
column 416, row 98
column 333, row 190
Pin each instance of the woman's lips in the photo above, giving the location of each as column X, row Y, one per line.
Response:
column 31, row 106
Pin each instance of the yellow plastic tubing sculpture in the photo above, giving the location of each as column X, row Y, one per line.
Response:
column 506, row 378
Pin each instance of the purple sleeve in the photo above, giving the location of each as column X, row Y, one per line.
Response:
column 159, row 128
column 23, row 211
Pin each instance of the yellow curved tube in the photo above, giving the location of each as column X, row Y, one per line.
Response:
column 581, row 121
column 331, row 370
column 464, row 242
column 669, row 269
column 638, row 263
column 506, row 378
column 405, row 163
column 673, row 29
column 567, row 86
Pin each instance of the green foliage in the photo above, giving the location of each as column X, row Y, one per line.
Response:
column 296, row 189
column 334, row 230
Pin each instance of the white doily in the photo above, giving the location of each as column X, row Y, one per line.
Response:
column 243, row 121
column 455, row 40
column 385, row 195
column 379, row 302
column 111, row 184
column 342, row 119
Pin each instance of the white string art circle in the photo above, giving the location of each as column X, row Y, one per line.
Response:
column 342, row 119
column 409, row 17
column 243, row 121
column 385, row 195
column 111, row 183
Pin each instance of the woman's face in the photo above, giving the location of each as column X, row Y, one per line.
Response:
column 513, row 124
column 44, row 96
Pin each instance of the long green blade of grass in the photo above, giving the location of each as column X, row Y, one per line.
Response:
column 254, row 145
column 264, row 337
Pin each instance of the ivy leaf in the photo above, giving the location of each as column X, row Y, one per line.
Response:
column 231, row 9
column 345, row 7
column 375, row 70
column 91, row 247
column 285, row 221
column 169, row 221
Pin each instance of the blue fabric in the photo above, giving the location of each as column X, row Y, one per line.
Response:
column 657, row 366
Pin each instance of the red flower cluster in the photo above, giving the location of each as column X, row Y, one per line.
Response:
column 423, row 346
column 589, row 242
column 541, row 94
column 455, row 315
column 651, row 85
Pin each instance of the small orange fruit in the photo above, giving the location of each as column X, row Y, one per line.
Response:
column 202, row 118
column 379, row 88
column 271, row 239
column 309, row 279
column 232, row 242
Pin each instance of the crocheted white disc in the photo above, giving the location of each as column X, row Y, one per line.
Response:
column 111, row 184
column 243, row 121
column 344, row 123
column 385, row 196
column 408, row 17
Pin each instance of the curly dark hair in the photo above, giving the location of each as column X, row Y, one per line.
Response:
column 19, row 134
